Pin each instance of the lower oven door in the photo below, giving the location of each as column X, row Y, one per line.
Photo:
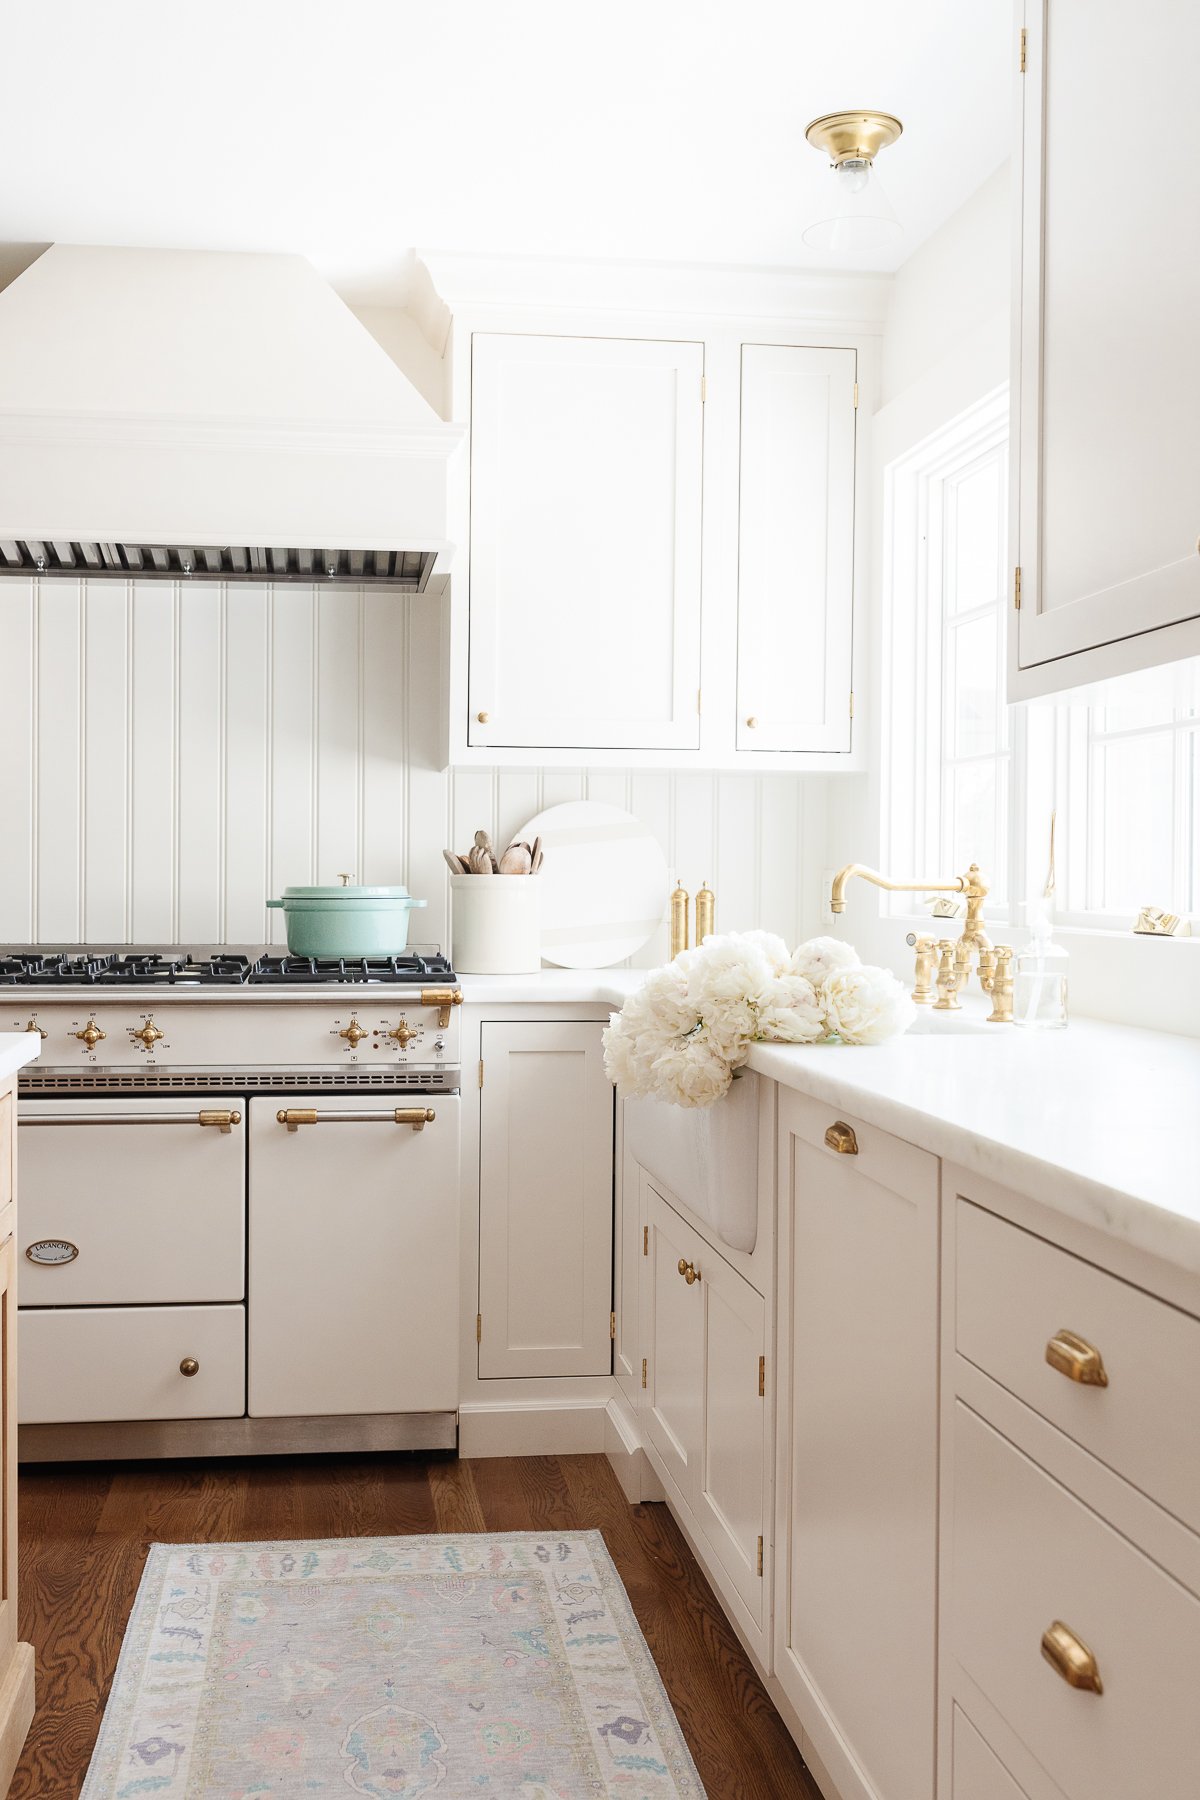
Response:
column 353, row 1254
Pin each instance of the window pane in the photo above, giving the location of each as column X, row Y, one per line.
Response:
column 1131, row 825
column 975, row 553
column 974, row 674
column 1132, row 701
column 976, row 802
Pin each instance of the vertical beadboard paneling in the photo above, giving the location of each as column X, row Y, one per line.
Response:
column 199, row 790
column 152, row 825
column 171, row 759
column 18, row 761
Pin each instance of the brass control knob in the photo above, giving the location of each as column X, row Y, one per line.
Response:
column 148, row 1035
column 403, row 1034
column 354, row 1034
column 91, row 1034
column 34, row 1026
column 189, row 1366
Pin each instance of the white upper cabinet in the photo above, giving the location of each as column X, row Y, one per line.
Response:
column 1106, row 390
column 796, row 548
column 586, row 459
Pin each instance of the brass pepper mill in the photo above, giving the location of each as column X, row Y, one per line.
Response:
column 679, row 922
column 706, row 913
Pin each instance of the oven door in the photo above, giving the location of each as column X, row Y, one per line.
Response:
column 353, row 1254
column 132, row 1201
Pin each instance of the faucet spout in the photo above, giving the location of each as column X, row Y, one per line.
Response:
column 837, row 892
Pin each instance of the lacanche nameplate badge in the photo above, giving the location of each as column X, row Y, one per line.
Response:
column 51, row 1251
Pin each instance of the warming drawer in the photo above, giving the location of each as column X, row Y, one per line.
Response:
column 87, row 1364
column 132, row 1201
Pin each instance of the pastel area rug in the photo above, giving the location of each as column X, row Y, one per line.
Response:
column 477, row 1666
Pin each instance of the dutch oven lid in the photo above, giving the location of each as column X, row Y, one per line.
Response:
column 344, row 891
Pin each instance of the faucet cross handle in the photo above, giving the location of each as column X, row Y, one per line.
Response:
column 947, row 979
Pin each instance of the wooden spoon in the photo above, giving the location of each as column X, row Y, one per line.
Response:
column 455, row 863
column 517, row 860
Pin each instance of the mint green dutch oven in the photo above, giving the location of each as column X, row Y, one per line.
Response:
column 346, row 921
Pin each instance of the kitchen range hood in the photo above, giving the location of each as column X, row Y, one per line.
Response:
column 183, row 414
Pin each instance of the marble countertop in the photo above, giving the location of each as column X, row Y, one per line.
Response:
column 16, row 1049
column 1101, row 1122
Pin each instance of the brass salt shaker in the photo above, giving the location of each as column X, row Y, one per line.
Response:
column 678, row 939
column 706, row 913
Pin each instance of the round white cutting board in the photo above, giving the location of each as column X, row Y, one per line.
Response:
column 604, row 883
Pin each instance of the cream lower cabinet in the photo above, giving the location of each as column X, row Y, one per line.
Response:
column 856, row 1483
column 705, row 1420
column 545, row 1200
column 16, row 1659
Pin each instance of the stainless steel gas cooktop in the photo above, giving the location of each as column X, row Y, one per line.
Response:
column 86, row 966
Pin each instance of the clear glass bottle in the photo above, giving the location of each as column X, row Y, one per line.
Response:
column 1040, row 978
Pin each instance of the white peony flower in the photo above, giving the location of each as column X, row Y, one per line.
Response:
column 822, row 957
column 866, row 1005
column 725, row 971
column 791, row 1013
column 692, row 1073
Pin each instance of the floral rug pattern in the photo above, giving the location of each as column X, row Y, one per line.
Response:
column 468, row 1668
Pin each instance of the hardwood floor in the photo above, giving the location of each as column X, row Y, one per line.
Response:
column 84, row 1531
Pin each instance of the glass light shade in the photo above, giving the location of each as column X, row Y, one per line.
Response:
column 860, row 216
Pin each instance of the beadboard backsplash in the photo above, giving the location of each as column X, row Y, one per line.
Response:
column 169, row 760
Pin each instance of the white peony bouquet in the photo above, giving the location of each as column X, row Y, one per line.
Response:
column 691, row 1024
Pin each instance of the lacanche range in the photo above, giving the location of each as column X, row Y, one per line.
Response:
column 239, row 1209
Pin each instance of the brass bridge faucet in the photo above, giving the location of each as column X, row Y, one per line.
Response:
column 952, row 960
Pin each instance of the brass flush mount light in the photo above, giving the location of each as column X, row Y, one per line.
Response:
column 859, row 215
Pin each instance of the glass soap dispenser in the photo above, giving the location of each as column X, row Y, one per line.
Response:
column 1040, row 966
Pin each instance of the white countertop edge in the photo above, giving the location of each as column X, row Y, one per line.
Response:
column 16, row 1049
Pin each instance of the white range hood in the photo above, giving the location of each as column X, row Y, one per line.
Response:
column 166, row 413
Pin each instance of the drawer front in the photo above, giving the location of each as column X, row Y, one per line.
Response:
column 154, row 1207
column 1025, row 1554
column 978, row 1772
column 1015, row 1292
column 123, row 1362
column 875, row 1154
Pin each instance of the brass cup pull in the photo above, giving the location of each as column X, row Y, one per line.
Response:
column 840, row 1137
column 1075, row 1358
column 189, row 1366
column 689, row 1271
column 1070, row 1657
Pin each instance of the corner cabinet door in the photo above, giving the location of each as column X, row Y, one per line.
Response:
column 796, row 548
column 1106, row 387
column 545, row 1201
column 732, row 1490
column 586, row 461
column 673, row 1340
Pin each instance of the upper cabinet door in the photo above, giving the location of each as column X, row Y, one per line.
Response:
column 796, row 548
column 1106, row 390
column 586, row 459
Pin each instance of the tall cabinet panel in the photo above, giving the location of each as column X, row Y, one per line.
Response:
column 1107, row 380
column 16, row 1659
column 586, row 459
column 796, row 548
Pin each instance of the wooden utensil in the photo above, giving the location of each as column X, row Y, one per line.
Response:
column 517, row 860
column 455, row 863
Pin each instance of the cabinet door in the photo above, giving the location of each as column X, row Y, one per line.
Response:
column 585, row 543
column 353, row 1259
column 732, row 1475
column 8, row 1447
column 796, row 548
column 1107, row 386
column 545, row 1201
column 673, row 1342
column 856, row 1551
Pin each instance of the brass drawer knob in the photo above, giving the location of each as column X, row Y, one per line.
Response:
column 189, row 1366
column 1075, row 1358
column 751, row 723
column 1070, row 1657
column 840, row 1137
column 483, row 717
column 689, row 1271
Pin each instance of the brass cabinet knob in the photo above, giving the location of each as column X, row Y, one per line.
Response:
column 345, row 879
column 91, row 1034
column 840, row 1137
column 752, row 723
column 34, row 1026
column 1075, row 1358
column 189, row 1366
column 483, row 717
column 689, row 1271
column 403, row 1034
column 354, row 1034
column 149, row 1034
column 1070, row 1657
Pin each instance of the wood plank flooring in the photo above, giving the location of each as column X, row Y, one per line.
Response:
column 84, row 1532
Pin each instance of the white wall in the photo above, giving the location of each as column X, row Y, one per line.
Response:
column 169, row 759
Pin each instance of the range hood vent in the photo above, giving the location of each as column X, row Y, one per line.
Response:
column 406, row 570
column 223, row 414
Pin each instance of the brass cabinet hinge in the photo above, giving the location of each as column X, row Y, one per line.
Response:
column 856, row 395
column 643, row 1371
column 479, row 1328
column 481, row 1071
column 1017, row 589
column 1024, row 48
column 703, row 389
column 699, row 692
column 851, row 702
column 760, row 1555
column 612, row 1326
column 762, row 1377
column 645, row 1240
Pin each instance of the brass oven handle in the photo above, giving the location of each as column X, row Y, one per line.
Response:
column 1075, row 1358
column 1070, row 1657
column 443, row 998
column 416, row 1116
column 222, row 1120
column 689, row 1271
column 189, row 1366
column 840, row 1137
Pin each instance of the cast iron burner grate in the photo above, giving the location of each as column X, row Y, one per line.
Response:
column 135, row 968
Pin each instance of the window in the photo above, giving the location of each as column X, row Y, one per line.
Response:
column 968, row 778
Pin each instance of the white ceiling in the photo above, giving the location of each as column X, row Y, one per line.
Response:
column 353, row 130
